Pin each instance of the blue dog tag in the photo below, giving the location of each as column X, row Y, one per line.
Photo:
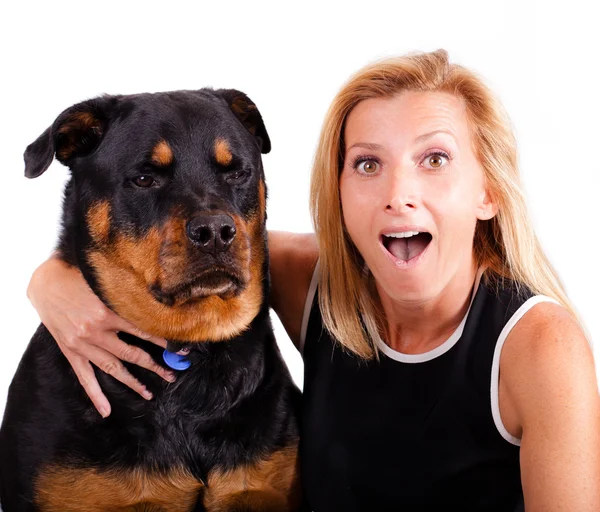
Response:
column 176, row 361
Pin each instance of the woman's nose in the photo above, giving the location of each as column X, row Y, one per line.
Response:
column 402, row 191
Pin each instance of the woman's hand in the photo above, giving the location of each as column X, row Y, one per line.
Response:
column 86, row 330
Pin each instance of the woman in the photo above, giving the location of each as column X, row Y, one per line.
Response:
column 452, row 368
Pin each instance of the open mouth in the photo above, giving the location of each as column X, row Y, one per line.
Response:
column 211, row 282
column 406, row 245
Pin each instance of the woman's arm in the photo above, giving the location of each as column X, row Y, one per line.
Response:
column 85, row 330
column 549, row 395
column 293, row 257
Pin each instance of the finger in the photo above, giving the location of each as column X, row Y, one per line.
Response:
column 135, row 355
column 121, row 324
column 87, row 378
column 85, row 375
column 112, row 366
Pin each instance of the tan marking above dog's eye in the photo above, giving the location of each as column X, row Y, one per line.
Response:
column 162, row 154
column 223, row 152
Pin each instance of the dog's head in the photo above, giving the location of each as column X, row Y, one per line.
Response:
column 165, row 209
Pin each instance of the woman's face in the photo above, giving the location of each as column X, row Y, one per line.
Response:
column 410, row 167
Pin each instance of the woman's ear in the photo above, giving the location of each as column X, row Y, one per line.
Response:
column 487, row 207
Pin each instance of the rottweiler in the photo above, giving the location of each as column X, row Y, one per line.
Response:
column 164, row 214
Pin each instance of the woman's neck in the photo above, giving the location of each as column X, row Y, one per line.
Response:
column 416, row 328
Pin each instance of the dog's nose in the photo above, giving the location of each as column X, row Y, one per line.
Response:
column 212, row 233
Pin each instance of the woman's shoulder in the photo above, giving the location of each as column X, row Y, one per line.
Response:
column 293, row 257
column 540, row 331
column 547, row 365
column 546, row 332
column 301, row 246
column 551, row 401
column 539, row 327
column 538, row 323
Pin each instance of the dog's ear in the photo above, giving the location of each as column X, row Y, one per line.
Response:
column 75, row 132
column 247, row 113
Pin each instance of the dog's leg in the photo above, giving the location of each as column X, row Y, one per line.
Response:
column 269, row 485
column 252, row 501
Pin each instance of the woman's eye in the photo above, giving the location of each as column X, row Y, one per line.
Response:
column 368, row 166
column 144, row 181
column 435, row 161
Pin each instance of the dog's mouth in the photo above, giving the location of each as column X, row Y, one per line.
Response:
column 212, row 282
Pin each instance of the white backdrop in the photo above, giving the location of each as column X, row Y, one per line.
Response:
column 541, row 59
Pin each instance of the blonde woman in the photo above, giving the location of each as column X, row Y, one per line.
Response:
column 444, row 363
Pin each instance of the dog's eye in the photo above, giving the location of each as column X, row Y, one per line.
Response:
column 144, row 181
column 236, row 176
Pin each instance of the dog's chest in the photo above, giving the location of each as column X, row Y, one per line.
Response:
column 154, row 461
column 95, row 490
column 193, row 424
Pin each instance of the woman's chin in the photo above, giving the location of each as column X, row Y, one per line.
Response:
column 403, row 286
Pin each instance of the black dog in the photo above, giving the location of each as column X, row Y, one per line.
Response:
column 165, row 216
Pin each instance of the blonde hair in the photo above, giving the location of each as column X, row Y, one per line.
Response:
column 506, row 244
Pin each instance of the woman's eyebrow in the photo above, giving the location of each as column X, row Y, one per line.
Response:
column 366, row 145
column 420, row 138
column 428, row 135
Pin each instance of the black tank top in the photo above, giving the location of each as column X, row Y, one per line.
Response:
column 412, row 432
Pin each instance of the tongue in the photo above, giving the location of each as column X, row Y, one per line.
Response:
column 407, row 248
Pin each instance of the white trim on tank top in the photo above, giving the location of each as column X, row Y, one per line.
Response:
column 436, row 352
column 494, row 387
column 308, row 306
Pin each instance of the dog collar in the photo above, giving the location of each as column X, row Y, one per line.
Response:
column 176, row 361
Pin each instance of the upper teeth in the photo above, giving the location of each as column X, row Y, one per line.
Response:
column 404, row 234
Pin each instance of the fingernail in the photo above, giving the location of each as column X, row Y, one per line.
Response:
column 104, row 412
column 171, row 377
column 147, row 395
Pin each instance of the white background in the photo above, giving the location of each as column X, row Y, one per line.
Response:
column 541, row 59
